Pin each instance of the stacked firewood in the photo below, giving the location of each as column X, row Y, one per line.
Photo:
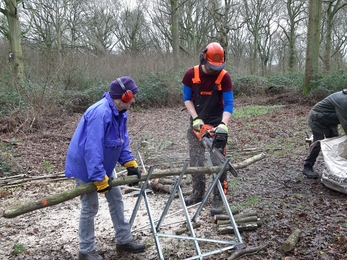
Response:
column 245, row 221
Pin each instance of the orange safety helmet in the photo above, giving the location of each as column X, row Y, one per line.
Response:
column 213, row 55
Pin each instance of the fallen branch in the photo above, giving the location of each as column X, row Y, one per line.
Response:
column 247, row 251
column 291, row 241
column 121, row 180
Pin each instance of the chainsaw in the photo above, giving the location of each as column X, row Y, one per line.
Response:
column 215, row 143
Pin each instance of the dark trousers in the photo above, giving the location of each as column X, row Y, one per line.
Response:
column 197, row 159
column 312, row 157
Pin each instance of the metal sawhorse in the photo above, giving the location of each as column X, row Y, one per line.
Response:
column 156, row 225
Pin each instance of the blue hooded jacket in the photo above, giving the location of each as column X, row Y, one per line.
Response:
column 100, row 141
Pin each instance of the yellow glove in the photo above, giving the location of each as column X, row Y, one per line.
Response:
column 197, row 123
column 131, row 163
column 221, row 129
column 102, row 186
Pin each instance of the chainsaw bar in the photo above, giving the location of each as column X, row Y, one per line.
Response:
column 208, row 143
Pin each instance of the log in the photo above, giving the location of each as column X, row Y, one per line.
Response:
column 236, row 214
column 237, row 220
column 159, row 187
column 222, row 230
column 180, row 231
column 291, row 241
column 121, row 180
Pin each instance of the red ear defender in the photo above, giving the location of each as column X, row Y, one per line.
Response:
column 127, row 94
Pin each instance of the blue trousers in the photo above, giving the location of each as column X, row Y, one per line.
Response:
column 89, row 209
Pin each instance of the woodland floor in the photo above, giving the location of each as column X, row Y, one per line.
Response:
column 284, row 199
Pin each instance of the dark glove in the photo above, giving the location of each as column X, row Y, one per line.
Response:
column 134, row 171
column 104, row 185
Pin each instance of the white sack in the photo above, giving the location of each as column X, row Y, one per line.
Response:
column 335, row 159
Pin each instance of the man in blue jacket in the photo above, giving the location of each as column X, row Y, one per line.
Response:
column 100, row 141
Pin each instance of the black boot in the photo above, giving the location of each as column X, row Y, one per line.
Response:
column 90, row 256
column 193, row 199
column 217, row 205
column 132, row 247
column 309, row 173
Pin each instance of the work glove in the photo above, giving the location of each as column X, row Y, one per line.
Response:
column 197, row 123
column 221, row 129
column 133, row 169
column 104, row 185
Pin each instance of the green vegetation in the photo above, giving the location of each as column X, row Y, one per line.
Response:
column 249, row 111
column 17, row 249
column 46, row 165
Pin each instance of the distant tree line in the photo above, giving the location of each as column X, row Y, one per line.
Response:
column 260, row 37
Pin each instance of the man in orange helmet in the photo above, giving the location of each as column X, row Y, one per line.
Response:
column 209, row 99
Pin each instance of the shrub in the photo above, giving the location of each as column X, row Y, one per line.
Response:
column 249, row 85
column 159, row 90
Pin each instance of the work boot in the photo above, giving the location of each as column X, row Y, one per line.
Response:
column 217, row 205
column 193, row 199
column 90, row 256
column 132, row 247
column 309, row 173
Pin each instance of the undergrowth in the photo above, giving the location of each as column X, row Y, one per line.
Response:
column 44, row 98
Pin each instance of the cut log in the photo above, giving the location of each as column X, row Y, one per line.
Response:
column 291, row 241
column 237, row 220
column 236, row 214
column 121, row 180
column 159, row 187
column 222, row 230
column 182, row 230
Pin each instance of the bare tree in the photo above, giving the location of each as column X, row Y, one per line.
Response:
column 13, row 34
column 296, row 12
column 132, row 31
column 331, row 10
column 260, row 15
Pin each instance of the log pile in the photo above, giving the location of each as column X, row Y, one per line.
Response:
column 245, row 221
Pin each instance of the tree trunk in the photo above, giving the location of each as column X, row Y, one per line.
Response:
column 124, row 180
column 313, row 40
column 15, row 39
column 175, row 32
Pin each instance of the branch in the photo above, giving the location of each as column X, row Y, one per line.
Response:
column 123, row 180
column 246, row 251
